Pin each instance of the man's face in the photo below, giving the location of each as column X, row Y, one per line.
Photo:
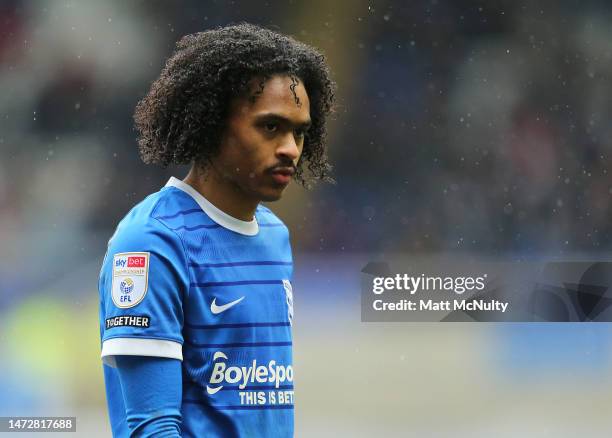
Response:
column 264, row 138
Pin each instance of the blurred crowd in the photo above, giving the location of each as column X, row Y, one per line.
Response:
column 461, row 125
column 479, row 126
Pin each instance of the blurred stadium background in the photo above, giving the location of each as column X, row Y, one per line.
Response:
column 462, row 127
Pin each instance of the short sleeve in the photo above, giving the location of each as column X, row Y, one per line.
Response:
column 143, row 282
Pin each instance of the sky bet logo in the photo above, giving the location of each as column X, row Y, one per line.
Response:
column 270, row 374
column 130, row 278
column 131, row 262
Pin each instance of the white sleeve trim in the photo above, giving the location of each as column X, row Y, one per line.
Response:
column 139, row 347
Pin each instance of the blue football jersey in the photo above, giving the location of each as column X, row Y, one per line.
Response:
column 182, row 279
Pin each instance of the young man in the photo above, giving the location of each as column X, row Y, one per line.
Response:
column 196, row 302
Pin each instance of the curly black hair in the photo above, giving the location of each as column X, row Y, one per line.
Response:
column 181, row 119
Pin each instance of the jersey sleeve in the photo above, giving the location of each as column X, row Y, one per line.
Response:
column 151, row 389
column 143, row 283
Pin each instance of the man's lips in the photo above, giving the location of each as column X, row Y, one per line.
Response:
column 289, row 171
column 282, row 175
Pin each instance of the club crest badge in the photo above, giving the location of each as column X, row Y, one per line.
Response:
column 130, row 278
column 289, row 297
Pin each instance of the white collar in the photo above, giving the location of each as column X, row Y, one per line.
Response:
column 248, row 228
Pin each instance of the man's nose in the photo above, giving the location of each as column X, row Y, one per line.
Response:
column 289, row 148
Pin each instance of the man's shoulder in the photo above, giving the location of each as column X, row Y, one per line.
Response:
column 266, row 217
column 272, row 229
column 153, row 216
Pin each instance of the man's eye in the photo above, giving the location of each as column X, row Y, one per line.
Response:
column 271, row 127
column 300, row 133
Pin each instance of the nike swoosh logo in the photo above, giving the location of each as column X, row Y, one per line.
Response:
column 218, row 309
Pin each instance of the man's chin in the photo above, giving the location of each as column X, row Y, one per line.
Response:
column 271, row 195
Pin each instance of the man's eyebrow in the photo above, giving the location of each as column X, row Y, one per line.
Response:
column 278, row 118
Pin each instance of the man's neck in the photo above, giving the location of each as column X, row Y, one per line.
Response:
column 221, row 193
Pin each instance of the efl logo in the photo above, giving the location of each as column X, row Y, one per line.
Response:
column 136, row 262
column 130, row 278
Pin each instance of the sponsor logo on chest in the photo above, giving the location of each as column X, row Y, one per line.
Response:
column 269, row 383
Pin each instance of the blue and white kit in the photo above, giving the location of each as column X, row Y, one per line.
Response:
column 183, row 280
